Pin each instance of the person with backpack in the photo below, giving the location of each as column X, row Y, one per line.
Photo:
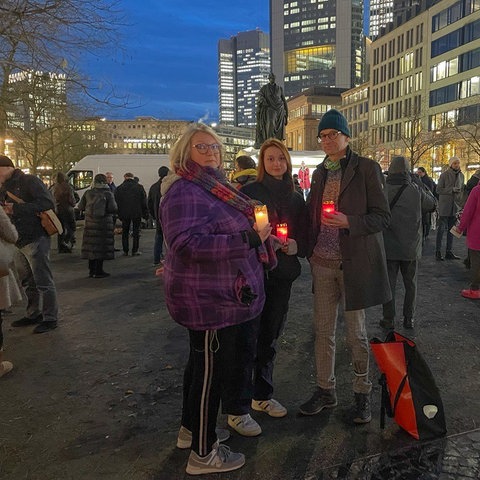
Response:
column 408, row 202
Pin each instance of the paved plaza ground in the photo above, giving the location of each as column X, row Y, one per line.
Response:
column 100, row 397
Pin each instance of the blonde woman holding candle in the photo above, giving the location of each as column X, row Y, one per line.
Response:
column 213, row 278
column 287, row 214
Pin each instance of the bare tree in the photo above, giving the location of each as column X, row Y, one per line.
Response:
column 51, row 36
column 415, row 140
column 470, row 134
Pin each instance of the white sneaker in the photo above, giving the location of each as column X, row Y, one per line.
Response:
column 244, row 425
column 220, row 459
column 184, row 439
column 272, row 407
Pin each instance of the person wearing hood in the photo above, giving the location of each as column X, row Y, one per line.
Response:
column 246, row 171
column 348, row 211
column 403, row 238
column 213, row 280
column 99, row 206
column 450, row 191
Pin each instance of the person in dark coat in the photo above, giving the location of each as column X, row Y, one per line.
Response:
column 403, row 238
column 65, row 199
column 132, row 206
column 153, row 202
column 33, row 259
column 348, row 212
column 275, row 189
column 426, row 217
column 99, row 206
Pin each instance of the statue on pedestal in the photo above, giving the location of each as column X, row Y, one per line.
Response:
column 272, row 112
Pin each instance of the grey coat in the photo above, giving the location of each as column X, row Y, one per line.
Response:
column 99, row 206
column 449, row 201
column 403, row 238
column 363, row 200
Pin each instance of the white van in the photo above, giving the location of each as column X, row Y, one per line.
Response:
column 145, row 167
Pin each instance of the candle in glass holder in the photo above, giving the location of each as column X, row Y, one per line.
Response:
column 282, row 232
column 261, row 216
column 328, row 207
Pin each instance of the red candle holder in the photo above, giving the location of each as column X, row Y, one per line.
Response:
column 328, row 207
column 282, row 232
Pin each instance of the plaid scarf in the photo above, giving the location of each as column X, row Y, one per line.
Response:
column 215, row 182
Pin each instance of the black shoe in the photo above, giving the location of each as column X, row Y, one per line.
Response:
column 451, row 256
column 101, row 275
column 45, row 327
column 26, row 322
column 363, row 413
column 125, row 254
column 438, row 256
column 134, row 254
column 408, row 323
column 387, row 323
column 320, row 399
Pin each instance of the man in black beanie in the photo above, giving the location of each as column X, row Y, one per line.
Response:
column 153, row 202
column 348, row 212
column 24, row 197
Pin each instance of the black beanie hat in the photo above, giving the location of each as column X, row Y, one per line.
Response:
column 6, row 162
column 163, row 172
column 335, row 120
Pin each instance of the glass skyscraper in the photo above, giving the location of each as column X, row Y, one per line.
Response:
column 317, row 43
column 243, row 68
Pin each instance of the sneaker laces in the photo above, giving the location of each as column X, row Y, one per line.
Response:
column 223, row 451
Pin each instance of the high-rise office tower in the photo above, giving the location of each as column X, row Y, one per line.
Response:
column 317, row 43
column 243, row 68
column 383, row 12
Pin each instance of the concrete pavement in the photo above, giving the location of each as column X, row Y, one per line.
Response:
column 100, row 397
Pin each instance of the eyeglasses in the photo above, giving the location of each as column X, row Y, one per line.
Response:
column 203, row 147
column 331, row 136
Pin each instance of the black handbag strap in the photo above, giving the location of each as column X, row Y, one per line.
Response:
column 397, row 196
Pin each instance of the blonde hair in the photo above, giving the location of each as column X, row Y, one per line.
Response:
column 180, row 152
column 273, row 142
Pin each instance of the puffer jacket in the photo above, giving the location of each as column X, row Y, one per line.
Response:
column 212, row 278
column 99, row 206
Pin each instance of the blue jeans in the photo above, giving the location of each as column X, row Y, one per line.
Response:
column 37, row 279
column 158, row 246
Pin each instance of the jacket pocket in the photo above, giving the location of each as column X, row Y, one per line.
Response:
column 243, row 291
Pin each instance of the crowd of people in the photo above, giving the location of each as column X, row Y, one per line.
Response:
column 229, row 252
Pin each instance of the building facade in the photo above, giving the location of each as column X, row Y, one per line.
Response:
column 243, row 68
column 425, row 83
column 317, row 42
column 305, row 110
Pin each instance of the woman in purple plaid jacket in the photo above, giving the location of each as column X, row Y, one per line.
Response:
column 213, row 286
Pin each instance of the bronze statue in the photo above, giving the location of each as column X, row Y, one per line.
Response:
column 272, row 112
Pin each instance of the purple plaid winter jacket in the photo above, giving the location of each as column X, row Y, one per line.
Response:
column 213, row 279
